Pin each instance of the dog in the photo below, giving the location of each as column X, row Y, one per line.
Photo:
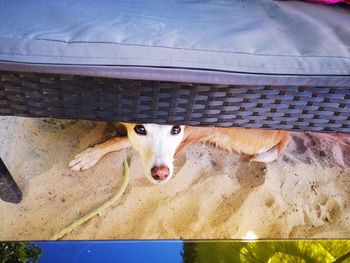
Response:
column 158, row 144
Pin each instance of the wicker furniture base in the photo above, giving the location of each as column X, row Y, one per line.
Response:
column 323, row 109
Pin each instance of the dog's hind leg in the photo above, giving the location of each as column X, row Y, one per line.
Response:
column 273, row 153
column 92, row 155
column 265, row 157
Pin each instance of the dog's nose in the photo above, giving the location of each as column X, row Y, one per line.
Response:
column 160, row 173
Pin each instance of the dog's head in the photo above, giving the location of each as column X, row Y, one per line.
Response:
column 156, row 145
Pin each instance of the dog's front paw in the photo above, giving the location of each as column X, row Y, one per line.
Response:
column 86, row 159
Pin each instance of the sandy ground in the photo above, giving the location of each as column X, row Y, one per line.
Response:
column 306, row 193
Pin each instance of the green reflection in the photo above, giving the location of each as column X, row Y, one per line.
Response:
column 19, row 252
column 267, row 251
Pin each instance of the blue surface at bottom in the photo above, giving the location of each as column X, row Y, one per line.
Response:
column 111, row 251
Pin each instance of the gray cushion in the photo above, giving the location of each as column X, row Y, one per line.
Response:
column 265, row 37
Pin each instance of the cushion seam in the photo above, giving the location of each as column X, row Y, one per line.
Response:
column 178, row 48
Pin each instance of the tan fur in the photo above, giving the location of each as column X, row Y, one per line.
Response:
column 251, row 142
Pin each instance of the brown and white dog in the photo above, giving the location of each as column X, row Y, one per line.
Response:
column 158, row 144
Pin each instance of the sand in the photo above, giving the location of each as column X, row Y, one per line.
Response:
column 214, row 194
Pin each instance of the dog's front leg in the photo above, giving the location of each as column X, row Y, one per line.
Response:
column 92, row 155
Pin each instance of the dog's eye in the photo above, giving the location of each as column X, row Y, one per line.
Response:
column 175, row 130
column 140, row 129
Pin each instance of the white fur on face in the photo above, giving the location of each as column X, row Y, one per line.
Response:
column 157, row 147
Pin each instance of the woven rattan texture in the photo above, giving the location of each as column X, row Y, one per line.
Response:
column 82, row 97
